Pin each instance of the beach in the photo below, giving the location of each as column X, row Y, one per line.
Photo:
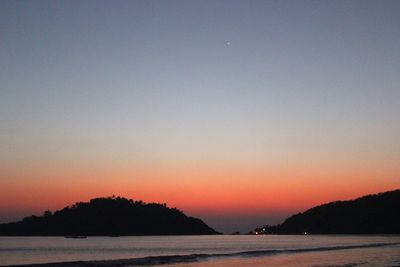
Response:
column 209, row 251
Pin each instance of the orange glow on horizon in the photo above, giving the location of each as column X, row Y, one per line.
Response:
column 193, row 189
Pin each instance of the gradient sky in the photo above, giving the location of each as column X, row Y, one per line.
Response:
column 238, row 112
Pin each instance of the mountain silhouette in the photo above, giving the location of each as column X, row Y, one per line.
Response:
column 371, row 214
column 111, row 216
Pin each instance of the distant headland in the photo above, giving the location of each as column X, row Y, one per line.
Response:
column 371, row 214
column 110, row 216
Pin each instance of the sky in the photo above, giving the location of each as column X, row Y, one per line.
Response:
column 238, row 112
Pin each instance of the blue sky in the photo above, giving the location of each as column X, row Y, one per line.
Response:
column 280, row 84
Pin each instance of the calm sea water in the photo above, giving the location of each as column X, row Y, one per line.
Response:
column 221, row 250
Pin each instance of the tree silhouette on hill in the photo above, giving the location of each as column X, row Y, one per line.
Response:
column 371, row 214
column 109, row 216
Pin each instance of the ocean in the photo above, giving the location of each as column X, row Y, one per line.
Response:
column 209, row 251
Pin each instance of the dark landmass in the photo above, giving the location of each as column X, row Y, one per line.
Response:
column 371, row 214
column 113, row 216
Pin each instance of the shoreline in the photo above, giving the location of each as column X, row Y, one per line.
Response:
column 191, row 258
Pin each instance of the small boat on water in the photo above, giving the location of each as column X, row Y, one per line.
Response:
column 76, row 236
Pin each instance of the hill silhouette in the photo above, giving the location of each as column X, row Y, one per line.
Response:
column 112, row 216
column 371, row 214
